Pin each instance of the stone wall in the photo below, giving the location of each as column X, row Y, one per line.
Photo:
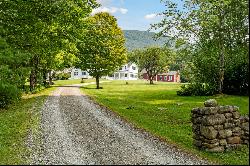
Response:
column 219, row 128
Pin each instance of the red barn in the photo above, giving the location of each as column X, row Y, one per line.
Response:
column 171, row 76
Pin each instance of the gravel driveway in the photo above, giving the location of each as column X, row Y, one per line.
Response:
column 75, row 130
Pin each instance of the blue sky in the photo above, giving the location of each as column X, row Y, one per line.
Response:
column 133, row 14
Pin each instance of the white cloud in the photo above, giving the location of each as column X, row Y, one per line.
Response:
column 110, row 10
column 150, row 16
column 104, row 2
column 123, row 11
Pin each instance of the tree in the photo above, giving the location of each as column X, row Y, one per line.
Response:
column 42, row 28
column 153, row 59
column 102, row 50
column 218, row 31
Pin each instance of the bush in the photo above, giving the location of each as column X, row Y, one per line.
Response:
column 62, row 76
column 8, row 94
column 236, row 80
column 197, row 89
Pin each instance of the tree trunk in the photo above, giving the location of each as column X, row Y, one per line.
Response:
column 44, row 78
column 150, row 77
column 151, row 81
column 32, row 80
column 97, row 82
column 50, row 78
column 222, row 53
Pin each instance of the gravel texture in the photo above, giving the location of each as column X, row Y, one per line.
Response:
column 75, row 130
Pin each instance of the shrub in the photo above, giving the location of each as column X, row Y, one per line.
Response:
column 8, row 94
column 196, row 89
column 62, row 76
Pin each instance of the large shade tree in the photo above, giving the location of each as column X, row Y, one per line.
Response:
column 153, row 59
column 103, row 50
column 42, row 28
column 218, row 32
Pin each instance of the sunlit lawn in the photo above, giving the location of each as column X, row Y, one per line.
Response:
column 73, row 81
column 158, row 109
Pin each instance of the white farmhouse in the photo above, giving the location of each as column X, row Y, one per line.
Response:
column 128, row 71
column 79, row 74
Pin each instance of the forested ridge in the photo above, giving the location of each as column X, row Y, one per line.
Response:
column 140, row 39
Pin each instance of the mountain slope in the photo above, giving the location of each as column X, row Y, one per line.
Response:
column 139, row 39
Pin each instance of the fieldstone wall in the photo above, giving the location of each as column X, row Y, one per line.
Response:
column 219, row 128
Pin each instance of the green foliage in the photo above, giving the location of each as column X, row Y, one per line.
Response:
column 217, row 32
column 237, row 79
column 8, row 94
column 103, row 50
column 153, row 59
column 44, row 29
column 62, row 76
column 196, row 89
column 13, row 65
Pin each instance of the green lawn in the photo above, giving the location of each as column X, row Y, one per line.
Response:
column 73, row 81
column 14, row 125
column 157, row 109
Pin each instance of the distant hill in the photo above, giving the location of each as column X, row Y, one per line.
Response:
column 139, row 39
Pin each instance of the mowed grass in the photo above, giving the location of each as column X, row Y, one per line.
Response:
column 15, row 122
column 73, row 81
column 158, row 110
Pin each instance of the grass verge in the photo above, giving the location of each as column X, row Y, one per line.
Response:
column 15, row 122
column 158, row 110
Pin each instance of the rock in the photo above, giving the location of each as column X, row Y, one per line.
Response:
column 218, row 127
column 197, row 143
column 210, row 146
column 233, row 140
column 236, row 115
column 215, row 119
column 216, row 149
column 223, row 142
column 236, row 134
column 237, row 122
column 225, row 133
column 246, row 142
column 245, row 126
column 210, row 103
column 208, row 132
column 211, row 141
column 236, row 130
column 228, row 125
column 235, row 108
column 195, row 110
column 230, row 120
column 210, row 110
column 223, row 109
column 197, row 120
column 228, row 115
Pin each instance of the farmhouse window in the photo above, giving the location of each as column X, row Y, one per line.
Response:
column 126, row 75
column 160, row 77
column 170, row 78
column 84, row 73
column 76, row 73
column 134, row 68
column 165, row 77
